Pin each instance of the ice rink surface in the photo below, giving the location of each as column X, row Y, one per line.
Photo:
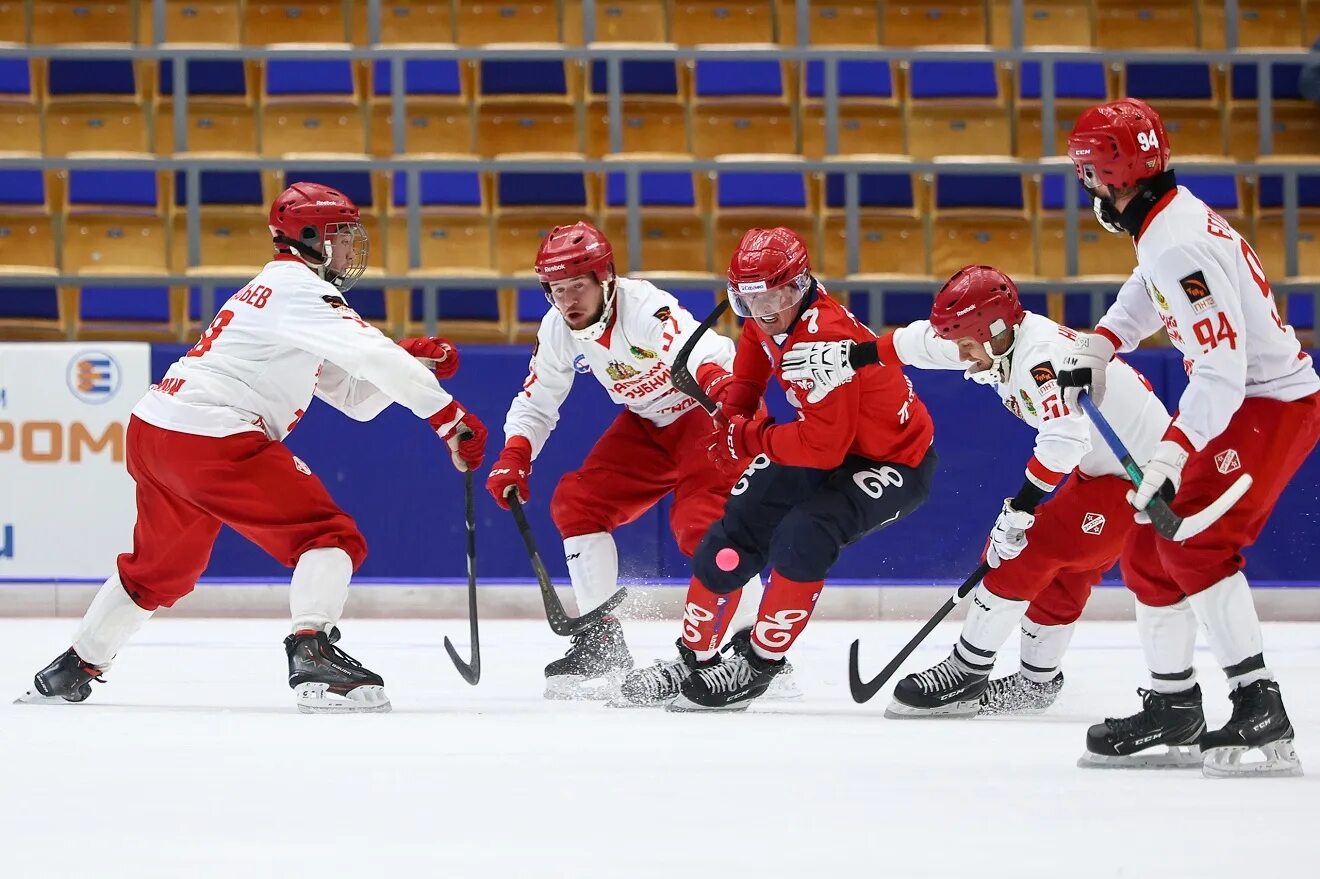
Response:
column 192, row 762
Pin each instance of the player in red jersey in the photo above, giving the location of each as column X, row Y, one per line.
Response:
column 850, row 464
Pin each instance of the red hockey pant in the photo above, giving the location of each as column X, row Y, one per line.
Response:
column 1268, row 439
column 1077, row 536
column 632, row 466
column 188, row 486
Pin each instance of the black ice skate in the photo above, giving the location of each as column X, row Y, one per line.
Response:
column 784, row 685
column 67, row 679
column 659, row 683
column 730, row 682
column 949, row 689
column 325, row 679
column 593, row 667
column 1259, row 721
column 1174, row 720
column 1016, row 694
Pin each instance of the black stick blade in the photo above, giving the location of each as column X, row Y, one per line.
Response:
column 470, row 673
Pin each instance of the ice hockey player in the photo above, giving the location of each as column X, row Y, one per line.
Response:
column 852, row 463
column 626, row 332
column 205, row 448
column 1252, row 405
column 1049, row 554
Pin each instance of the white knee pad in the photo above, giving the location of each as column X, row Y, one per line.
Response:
column 1168, row 637
column 111, row 619
column 593, row 568
column 319, row 588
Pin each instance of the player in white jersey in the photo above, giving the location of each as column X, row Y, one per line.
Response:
column 204, row 448
column 626, row 333
column 1252, row 405
column 1048, row 555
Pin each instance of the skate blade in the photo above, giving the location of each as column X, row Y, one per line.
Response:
column 1280, row 761
column 1176, row 757
column 683, row 705
column 317, row 699
column 622, row 701
column 896, row 710
column 782, row 687
column 576, row 688
column 32, row 697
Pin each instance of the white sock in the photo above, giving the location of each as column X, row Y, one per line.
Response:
column 1233, row 629
column 1043, row 648
column 749, row 606
column 319, row 588
column 593, row 568
column 111, row 619
column 1168, row 637
column 990, row 620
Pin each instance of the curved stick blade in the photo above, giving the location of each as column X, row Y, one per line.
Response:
column 470, row 673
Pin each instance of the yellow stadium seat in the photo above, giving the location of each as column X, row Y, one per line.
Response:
column 831, row 23
column 1260, row 24
column 870, row 115
column 212, row 127
column 672, row 241
column 229, row 236
column 647, row 127
column 279, row 21
column 1045, row 23
column 511, row 128
column 122, row 242
column 721, row 21
column 1270, row 239
column 95, row 125
column 996, row 230
column 926, row 22
column 27, row 241
column 79, row 21
column 427, row 128
column 1146, row 24
column 1098, row 252
column 449, row 240
column 1296, row 129
column 406, row 21
column 518, row 109
column 618, row 21
column 296, row 127
column 960, row 125
column 504, row 21
column 193, row 21
column 756, row 117
column 891, row 235
column 13, row 21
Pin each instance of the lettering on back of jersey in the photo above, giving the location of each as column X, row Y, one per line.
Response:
column 1198, row 292
column 1043, row 373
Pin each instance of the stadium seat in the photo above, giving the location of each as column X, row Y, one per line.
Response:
column 958, row 108
column 1146, row 24
column 768, row 198
column 870, row 119
column 528, row 204
column 1187, row 98
column 36, row 312
column 13, row 21
column 981, row 217
column 673, row 235
column 81, row 21
column 1077, row 85
column 1098, row 252
column 1045, row 23
column 114, row 221
column 94, row 105
column 221, row 112
column 927, row 22
column 279, row 21
column 1270, row 241
column 891, row 226
column 477, row 314
column 19, row 117
column 233, row 214
column 654, row 115
column 1260, row 24
column 27, row 234
column 1296, row 121
column 618, row 21
column 437, row 115
column 311, row 105
column 831, row 23
column 193, row 21
column 406, row 21
column 1220, row 190
column 528, row 104
column 123, row 313
column 504, row 21
column 455, row 228
column 741, row 105
column 721, row 21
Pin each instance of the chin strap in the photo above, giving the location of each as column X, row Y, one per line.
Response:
column 997, row 372
column 597, row 329
column 1130, row 220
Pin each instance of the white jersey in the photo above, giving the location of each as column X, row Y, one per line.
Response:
column 284, row 338
column 1031, row 392
column 631, row 361
column 1201, row 281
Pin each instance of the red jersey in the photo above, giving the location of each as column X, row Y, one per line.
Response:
column 876, row 415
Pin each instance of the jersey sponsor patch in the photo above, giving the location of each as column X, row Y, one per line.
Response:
column 580, row 364
column 1043, row 373
column 662, row 314
column 1198, row 293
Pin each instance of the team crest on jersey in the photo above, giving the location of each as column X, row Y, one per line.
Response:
column 1198, row 293
column 1160, row 302
column 618, row 370
column 1043, row 373
column 662, row 314
column 1012, row 405
column 301, row 467
column 1227, row 461
column 1026, row 402
column 1093, row 523
column 580, row 364
column 641, row 353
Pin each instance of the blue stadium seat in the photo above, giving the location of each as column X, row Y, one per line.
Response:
column 981, row 218
column 16, row 80
column 221, row 114
column 741, row 105
column 311, row 106
column 1099, row 252
column 114, row 222
column 1187, row 97
column 1270, row 240
column 654, row 115
column 957, row 108
column 222, row 188
column 1220, row 191
column 436, row 107
column 93, row 105
column 473, row 313
column 870, row 118
column 527, row 105
column 36, row 308
column 22, row 188
column 27, row 236
column 748, row 199
column 1077, row 85
column 147, row 313
column 206, row 78
column 673, row 229
column 1295, row 122
column 233, row 214
column 528, row 204
column 637, row 78
column 891, row 231
column 19, row 117
column 699, row 302
column 455, row 228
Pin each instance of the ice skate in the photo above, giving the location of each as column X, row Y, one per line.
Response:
column 660, row 682
column 66, row 679
column 784, row 685
column 1259, row 722
column 1019, row 695
column 327, row 680
column 730, row 683
column 594, row 666
column 1174, row 720
column 949, row 689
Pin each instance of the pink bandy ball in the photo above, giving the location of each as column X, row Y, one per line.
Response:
column 726, row 559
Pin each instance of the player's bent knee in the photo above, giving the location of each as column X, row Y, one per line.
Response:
column 573, row 511
column 723, row 565
column 804, row 547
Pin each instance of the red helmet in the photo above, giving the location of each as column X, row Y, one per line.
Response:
column 769, row 272
column 312, row 221
column 1118, row 143
column 979, row 302
column 569, row 251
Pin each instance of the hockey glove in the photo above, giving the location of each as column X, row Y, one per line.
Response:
column 510, row 472
column 438, row 354
column 736, row 440
column 1161, row 475
column 825, row 364
column 732, row 395
column 464, row 433
column 1082, row 366
column 1009, row 536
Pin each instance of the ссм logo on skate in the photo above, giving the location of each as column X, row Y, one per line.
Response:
column 93, row 376
column 1093, row 523
column 1227, row 461
column 774, row 630
column 693, row 616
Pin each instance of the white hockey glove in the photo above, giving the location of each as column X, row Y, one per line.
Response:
column 825, row 364
column 1082, row 366
column 1009, row 536
column 1164, row 468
